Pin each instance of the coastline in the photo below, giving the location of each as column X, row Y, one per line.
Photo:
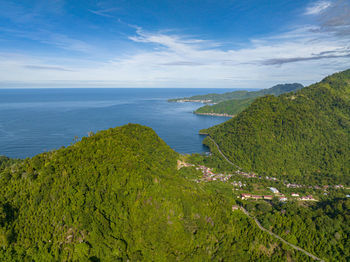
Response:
column 184, row 100
column 214, row 114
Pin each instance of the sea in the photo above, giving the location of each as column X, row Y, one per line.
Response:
column 33, row 121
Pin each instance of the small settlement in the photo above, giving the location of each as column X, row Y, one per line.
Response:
column 208, row 175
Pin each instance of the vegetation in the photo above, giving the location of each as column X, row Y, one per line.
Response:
column 236, row 105
column 302, row 136
column 216, row 98
column 118, row 195
column 230, row 107
column 5, row 162
column 321, row 228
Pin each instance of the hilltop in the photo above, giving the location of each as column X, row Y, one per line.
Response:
column 230, row 107
column 301, row 135
column 118, row 196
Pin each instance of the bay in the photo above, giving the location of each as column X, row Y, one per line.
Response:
column 33, row 121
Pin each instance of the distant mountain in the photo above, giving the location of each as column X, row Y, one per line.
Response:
column 216, row 98
column 234, row 106
column 302, row 134
column 230, row 107
column 118, row 196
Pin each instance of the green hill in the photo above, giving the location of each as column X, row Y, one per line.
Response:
column 118, row 196
column 229, row 107
column 217, row 98
column 235, row 106
column 302, row 135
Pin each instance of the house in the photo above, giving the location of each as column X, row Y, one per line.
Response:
column 268, row 197
column 257, row 197
column 274, row 190
column 295, row 194
column 283, row 199
column 307, row 198
column 235, row 207
column 245, row 196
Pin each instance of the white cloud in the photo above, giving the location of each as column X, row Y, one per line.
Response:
column 104, row 12
column 169, row 60
column 317, row 7
column 53, row 39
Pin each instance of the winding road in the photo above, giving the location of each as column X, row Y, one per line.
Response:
column 217, row 146
column 279, row 238
column 257, row 221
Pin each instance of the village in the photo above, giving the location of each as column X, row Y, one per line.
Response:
column 208, row 175
column 277, row 194
column 204, row 101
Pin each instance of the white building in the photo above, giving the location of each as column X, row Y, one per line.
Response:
column 274, row 190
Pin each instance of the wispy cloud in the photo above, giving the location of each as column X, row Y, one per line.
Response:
column 53, row 39
column 336, row 18
column 317, row 7
column 35, row 13
column 168, row 59
column 281, row 61
column 107, row 12
column 178, row 44
column 66, row 42
column 290, row 47
column 54, row 68
column 183, row 63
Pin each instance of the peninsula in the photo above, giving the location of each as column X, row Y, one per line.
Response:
column 232, row 103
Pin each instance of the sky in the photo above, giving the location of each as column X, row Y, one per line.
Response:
column 172, row 43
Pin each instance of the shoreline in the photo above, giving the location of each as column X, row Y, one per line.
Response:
column 214, row 114
column 203, row 101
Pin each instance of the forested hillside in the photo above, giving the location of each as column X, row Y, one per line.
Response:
column 118, row 196
column 303, row 135
column 217, row 98
column 230, row 107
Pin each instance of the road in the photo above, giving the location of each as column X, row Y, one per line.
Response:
column 278, row 237
column 217, row 146
column 257, row 222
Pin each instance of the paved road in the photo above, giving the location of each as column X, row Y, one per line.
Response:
column 217, row 146
column 257, row 222
column 278, row 237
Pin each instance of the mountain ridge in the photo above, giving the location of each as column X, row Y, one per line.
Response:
column 302, row 133
column 244, row 94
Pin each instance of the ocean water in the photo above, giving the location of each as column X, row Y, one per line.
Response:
column 33, row 121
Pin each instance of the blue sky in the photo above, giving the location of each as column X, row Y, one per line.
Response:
column 172, row 43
